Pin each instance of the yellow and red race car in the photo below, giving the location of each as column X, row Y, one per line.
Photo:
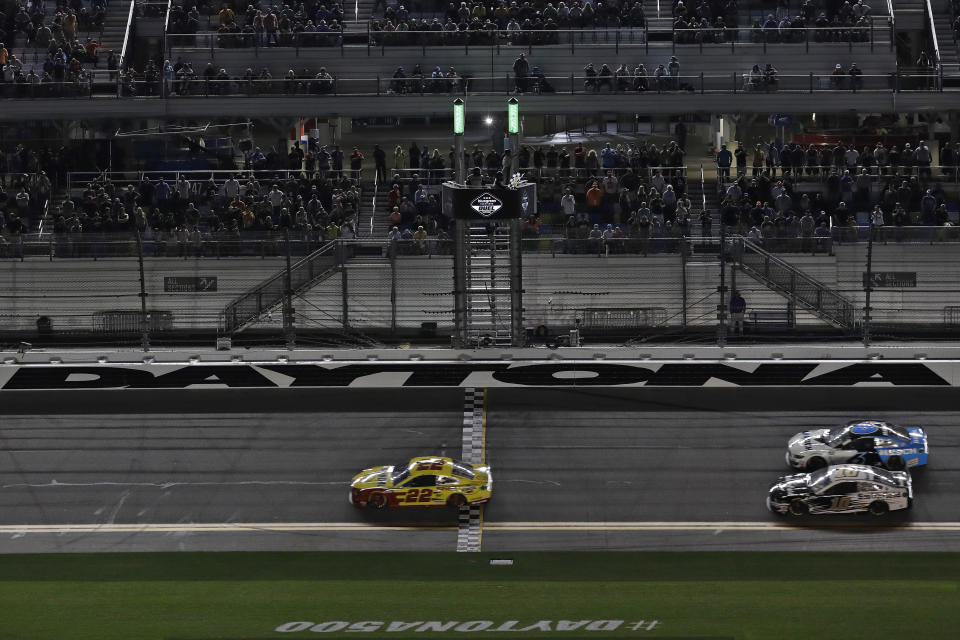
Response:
column 429, row 481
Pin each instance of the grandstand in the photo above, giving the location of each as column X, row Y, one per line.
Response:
column 296, row 157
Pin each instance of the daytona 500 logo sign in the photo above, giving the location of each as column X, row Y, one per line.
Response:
column 475, row 374
column 369, row 626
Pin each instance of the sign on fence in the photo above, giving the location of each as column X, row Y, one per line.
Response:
column 184, row 284
column 893, row 279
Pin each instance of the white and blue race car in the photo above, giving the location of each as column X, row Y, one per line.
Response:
column 871, row 442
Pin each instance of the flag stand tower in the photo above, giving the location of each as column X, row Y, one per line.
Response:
column 487, row 263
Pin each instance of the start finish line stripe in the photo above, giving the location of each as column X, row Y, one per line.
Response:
column 280, row 527
column 474, row 419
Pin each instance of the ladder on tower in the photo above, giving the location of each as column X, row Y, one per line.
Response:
column 488, row 288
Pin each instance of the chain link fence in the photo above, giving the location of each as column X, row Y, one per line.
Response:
column 94, row 289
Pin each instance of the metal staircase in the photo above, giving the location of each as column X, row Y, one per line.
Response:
column 795, row 285
column 488, row 290
column 270, row 294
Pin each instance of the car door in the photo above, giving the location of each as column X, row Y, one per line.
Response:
column 846, row 452
column 418, row 490
column 838, row 498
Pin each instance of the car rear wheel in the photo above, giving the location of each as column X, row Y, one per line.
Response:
column 456, row 500
column 377, row 500
column 799, row 508
column 895, row 463
column 878, row 508
column 816, row 462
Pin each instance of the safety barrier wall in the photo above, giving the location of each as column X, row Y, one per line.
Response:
column 385, row 291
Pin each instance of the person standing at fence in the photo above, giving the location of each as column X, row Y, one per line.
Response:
column 724, row 160
column 521, row 69
column 380, row 163
column 356, row 164
column 738, row 307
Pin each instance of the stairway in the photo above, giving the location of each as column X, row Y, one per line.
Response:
column 944, row 28
column 659, row 22
column 795, row 285
column 114, row 28
column 268, row 295
column 909, row 14
column 488, row 285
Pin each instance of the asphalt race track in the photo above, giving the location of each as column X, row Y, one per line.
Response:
column 584, row 469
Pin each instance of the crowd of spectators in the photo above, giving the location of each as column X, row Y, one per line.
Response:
column 27, row 178
column 718, row 21
column 509, row 22
column 887, row 186
column 39, row 29
column 181, row 79
column 305, row 24
column 55, row 67
column 187, row 213
column 638, row 189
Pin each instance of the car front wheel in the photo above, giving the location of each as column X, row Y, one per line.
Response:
column 377, row 501
column 799, row 508
column 878, row 508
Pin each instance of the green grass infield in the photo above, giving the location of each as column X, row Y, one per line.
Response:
column 744, row 595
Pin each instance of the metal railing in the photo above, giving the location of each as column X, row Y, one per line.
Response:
column 128, row 85
column 271, row 293
column 762, row 36
column 572, row 84
column 51, row 245
column 877, row 173
column 196, row 177
column 786, row 279
column 627, row 36
column 936, row 44
column 128, row 38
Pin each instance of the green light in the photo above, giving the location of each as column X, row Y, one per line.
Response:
column 513, row 116
column 458, row 117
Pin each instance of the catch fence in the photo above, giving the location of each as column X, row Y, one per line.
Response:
column 362, row 292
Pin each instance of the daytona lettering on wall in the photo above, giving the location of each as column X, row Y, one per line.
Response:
column 368, row 626
column 479, row 374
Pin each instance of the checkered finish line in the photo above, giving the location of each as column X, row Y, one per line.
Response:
column 468, row 535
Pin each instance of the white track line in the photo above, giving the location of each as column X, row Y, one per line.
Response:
column 280, row 527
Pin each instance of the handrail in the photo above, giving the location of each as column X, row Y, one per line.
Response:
column 624, row 35
column 893, row 23
column 373, row 202
column 231, row 321
column 166, row 26
column 122, row 64
column 703, row 189
column 571, row 84
column 933, row 35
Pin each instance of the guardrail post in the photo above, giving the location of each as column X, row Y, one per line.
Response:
column 811, row 82
column 617, row 44
column 701, row 82
column 378, row 84
column 806, row 37
column 571, row 83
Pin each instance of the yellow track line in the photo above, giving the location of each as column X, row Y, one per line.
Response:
column 239, row 527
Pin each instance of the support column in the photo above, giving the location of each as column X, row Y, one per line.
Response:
column 460, row 256
column 517, row 332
